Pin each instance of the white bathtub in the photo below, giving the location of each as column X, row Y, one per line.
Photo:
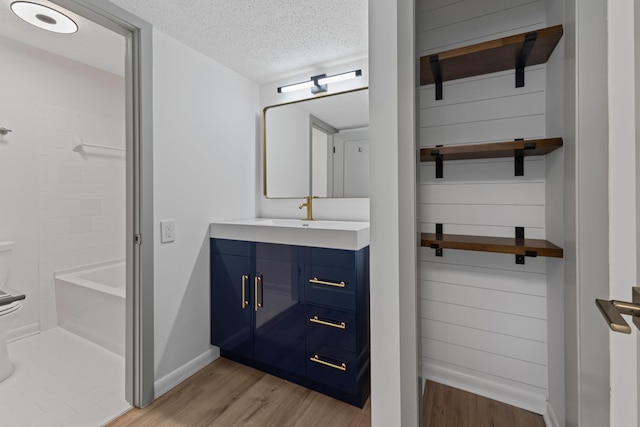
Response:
column 90, row 303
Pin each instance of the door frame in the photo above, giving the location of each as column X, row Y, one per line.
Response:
column 139, row 345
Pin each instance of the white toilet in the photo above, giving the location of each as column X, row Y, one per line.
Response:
column 8, row 312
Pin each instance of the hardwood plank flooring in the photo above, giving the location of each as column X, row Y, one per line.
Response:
column 445, row 406
column 226, row 393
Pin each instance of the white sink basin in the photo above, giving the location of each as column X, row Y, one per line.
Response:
column 352, row 235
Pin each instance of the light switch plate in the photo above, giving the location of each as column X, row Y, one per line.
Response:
column 167, row 231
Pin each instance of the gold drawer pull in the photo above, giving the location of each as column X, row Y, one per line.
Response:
column 341, row 367
column 340, row 325
column 322, row 282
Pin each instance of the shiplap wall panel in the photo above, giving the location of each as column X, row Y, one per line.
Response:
column 484, row 27
column 505, row 193
column 513, row 216
column 502, row 129
column 484, row 171
column 483, row 87
column 475, row 318
column 467, row 11
column 518, row 282
column 474, row 230
column 514, row 347
column 491, row 363
column 482, row 314
column 500, row 301
column 426, row 6
column 526, row 104
column 484, row 260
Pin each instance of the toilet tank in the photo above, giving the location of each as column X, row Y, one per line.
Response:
column 5, row 257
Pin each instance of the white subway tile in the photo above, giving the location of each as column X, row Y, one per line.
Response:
column 80, row 224
column 70, row 174
column 90, row 207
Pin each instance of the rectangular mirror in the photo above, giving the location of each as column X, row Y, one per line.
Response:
column 317, row 147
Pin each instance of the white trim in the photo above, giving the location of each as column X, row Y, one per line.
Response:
column 175, row 377
column 550, row 419
column 23, row 331
column 484, row 387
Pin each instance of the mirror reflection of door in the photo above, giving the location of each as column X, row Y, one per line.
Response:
column 322, row 158
column 340, row 161
column 354, row 148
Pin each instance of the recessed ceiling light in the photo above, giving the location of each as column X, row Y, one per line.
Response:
column 44, row 17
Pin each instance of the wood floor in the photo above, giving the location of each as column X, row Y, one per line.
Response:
column 450, row 407
column 228, row 394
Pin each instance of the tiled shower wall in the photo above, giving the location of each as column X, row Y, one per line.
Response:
column 82, row 195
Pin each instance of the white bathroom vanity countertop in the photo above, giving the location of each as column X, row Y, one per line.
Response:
column 351, row 235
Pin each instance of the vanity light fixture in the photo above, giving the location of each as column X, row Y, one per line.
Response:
column 318, row 84
column 44, row 17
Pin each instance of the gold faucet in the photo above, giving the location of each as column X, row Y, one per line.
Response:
column 309, row 205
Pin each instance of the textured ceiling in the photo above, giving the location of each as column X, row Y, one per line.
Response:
column 263, row 39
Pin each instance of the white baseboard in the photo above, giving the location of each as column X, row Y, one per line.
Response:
column 23, row 331
column 550, row 418
column 506, row 393
column 174, row 378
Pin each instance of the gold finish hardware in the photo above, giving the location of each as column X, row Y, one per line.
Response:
column 256, row 283
column 322, row 282
column 245, row 303
column 309, row 205
column 341, row 367
column 340, row 325
column 612, row 312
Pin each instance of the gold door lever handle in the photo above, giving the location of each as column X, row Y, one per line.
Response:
column 613, row 310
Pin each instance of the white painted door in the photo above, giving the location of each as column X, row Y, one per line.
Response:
column 623, row 215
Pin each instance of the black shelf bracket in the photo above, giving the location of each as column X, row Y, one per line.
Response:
column 437, row 75
column 520, row 236
column 439, row 165
column 519, row 157
column 521, row 62
column 438, row 236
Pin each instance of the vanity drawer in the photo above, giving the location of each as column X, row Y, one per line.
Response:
column 339, row 258
column 333, row 287
column 333, row 367
column 231, row 247
column 336, row 328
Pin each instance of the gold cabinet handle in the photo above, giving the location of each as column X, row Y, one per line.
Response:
column 341, row 367
column 322, row 282
column 256, row 282
column 245, row 303
column 340, row 325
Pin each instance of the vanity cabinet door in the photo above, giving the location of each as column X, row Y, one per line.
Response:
column 279, row 339
column 231, row 315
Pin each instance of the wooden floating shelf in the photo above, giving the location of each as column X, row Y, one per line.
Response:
column 505, row 245
column 491, row 150
column 490, row 57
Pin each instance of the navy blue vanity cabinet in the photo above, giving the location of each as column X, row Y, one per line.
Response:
column 300, row 313
column 257, row 315
column 231, row 294
column 337, row 316
column 279, row 318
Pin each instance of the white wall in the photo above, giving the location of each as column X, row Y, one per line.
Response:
column 205, row 127
column 484, row 318
column 395, row 391
column 61, row 208
column 356, row 209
